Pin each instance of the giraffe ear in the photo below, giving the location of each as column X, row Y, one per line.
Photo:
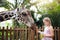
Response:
column 17, row 9
column 29, row 13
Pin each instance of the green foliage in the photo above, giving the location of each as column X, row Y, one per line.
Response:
column 20, row 25
column 54, row 15
column 53, row 12
column 6, row 4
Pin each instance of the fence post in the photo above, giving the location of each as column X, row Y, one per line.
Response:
column 27, row 33
column 58, row 33
column 20, row 34
column 17, row 34
column 7, row 33
column 55, row 33
column 32, row 35
column 36, row 33
column 3, row 33
column 10, row 33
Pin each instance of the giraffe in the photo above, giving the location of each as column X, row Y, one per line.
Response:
column 19, row 14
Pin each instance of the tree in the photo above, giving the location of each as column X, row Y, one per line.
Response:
column 53, row 12
column 6, row 4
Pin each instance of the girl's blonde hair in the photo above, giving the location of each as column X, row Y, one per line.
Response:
column 47, row 19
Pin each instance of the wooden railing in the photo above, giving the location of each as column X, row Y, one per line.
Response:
column 24, row 34
column 16, row 34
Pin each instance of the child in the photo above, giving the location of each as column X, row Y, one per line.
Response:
column 48, row 29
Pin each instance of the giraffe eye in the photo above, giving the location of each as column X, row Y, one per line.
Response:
column 24, row 14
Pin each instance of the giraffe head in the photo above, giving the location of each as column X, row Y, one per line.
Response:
column 25, row 17
column 20, row 15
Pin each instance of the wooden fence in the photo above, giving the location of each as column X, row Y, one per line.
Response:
column 24, row 34
column 16, row 34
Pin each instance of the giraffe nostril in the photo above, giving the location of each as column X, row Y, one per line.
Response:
column 17, row 9
column 15, row 14
column 14, row 18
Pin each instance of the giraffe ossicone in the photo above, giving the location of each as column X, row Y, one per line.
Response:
column 19, row 14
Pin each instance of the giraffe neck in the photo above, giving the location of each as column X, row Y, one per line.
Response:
column 7, row 15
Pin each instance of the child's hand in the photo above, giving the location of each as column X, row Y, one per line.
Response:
column 39, row 31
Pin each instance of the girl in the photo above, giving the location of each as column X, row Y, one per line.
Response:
column 48, row 29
